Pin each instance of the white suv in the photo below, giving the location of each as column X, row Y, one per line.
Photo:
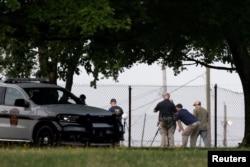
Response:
column 45, row 114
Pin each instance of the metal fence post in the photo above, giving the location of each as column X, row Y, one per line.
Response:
column 215, row 115
column 129, row 116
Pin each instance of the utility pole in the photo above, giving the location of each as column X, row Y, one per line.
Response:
column 208, row 98
column 225, row 126
column 164, row 77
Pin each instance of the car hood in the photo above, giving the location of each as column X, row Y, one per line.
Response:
column 76, row 109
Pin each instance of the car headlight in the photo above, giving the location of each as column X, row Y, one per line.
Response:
column 68, row 118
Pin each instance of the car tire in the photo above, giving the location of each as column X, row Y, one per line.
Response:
column 44, row 136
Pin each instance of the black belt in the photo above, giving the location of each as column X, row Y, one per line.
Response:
column 165, row 118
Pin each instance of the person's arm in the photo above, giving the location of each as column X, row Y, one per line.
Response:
column 194, row 112
column 121, row 111
column 180, row 126
column 156, row 108
column 111, row 109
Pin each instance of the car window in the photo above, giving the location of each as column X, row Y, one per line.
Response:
column 65, row 98
column 11, row 95
column 2, row 90
column 43, row 96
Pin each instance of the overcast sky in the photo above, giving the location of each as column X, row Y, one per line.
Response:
column 144, row 74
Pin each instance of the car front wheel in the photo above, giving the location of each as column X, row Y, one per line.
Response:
column 44, row 136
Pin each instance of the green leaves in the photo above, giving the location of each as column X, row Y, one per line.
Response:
column 106, row 36
column 62, row 26
column 12, row 5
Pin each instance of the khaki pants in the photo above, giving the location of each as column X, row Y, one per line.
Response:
column 191, row 130
column 167, row 135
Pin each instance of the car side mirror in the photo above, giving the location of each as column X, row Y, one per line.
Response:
column 21, row 103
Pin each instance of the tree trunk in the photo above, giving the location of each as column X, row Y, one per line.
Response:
column 72, row 65
column 71, row 71
column 48, row 69
column 246, row 90
column 245, row 78
column 69, row 80
column 52, row 72
column 242, row 60
column 43, row 61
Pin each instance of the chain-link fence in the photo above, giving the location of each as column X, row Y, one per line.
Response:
column 230, row 128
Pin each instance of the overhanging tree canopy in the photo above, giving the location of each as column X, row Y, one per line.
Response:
column 56, row 29
column 200, row 31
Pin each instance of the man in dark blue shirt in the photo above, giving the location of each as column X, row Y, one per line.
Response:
column 192, row 123
column 166, row 110
column 117, row 111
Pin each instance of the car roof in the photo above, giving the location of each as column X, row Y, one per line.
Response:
column 29, row 83
column 36, row 85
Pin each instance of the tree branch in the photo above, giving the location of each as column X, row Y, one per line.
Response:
column 210, row 66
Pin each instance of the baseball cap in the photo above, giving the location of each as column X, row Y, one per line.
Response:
column 197, row 102
column 179, row 105
column 113, row 100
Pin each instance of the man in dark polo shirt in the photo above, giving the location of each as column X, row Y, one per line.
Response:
column 166, row 110
column 192, row 123
column 118, row 112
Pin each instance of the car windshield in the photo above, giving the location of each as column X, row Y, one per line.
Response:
column 44, row 96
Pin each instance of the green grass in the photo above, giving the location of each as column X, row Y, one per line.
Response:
column 101, row 157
